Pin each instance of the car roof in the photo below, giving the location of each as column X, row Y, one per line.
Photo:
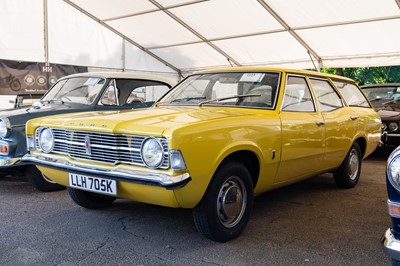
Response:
column 278, row 69
column 124, row 75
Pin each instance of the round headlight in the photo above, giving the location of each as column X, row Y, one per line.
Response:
column 393, row 172
column 384, row 126
column 393, row 126
column 4, row 127
column 152, row 152
column 46, row 140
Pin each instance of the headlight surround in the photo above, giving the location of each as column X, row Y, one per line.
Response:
column 393, row 126
column 46, row 140
column 5, row 127
column 393, row 169
column 152, row 152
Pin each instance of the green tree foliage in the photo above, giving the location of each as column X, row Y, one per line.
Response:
column 368, row 75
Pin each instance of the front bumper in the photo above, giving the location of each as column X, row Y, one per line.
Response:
column 390, row 139
column 118, row 172
column 391, row 245
column 6, row 162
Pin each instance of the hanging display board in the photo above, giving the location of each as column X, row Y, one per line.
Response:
column 32, row 77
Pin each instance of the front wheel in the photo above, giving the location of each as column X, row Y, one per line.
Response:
column 40, row 181
column 348, row 174
column 90, row 200
column 225, row 208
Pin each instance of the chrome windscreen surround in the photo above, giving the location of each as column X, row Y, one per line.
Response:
column 102, row 147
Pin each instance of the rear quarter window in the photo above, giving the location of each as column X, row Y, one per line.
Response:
column 352, row 94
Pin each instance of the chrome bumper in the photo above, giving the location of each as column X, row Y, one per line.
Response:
column 7, row 162
column 119, row 172
column 391, row 246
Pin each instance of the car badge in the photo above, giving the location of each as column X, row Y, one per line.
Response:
column 88, row 149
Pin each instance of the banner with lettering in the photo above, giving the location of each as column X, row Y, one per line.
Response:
column 30, row 77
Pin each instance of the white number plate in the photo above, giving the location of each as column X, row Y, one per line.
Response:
column 94, row 184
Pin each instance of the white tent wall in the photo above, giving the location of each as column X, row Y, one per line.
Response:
column 68, row 36
column 21, row 31
column 76, row 39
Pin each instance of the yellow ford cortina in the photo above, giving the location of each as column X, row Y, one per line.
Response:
column 212, row 143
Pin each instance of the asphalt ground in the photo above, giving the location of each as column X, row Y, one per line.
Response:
column 309, row 223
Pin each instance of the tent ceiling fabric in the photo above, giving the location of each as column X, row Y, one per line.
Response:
column 183, row 36
column 200, row 34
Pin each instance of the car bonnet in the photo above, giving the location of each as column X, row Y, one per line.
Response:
column 151, row 121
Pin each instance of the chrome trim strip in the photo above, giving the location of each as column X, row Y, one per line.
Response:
column 391, row 246
column 129, row 175
column 97, row 145
column 5, row 162
column 392, row 135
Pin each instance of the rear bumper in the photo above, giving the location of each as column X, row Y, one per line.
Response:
column 391, row 245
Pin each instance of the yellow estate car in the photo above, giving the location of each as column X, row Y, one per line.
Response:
column 210, row 144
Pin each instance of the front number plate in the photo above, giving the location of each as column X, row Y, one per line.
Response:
column 94, row 184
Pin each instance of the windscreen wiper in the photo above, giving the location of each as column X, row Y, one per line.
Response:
column 230, row 97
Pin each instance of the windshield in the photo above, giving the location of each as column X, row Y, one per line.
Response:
column 252, row 89
column 381, row 97
column 77, row 90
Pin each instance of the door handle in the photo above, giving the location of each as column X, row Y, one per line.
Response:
column 320, row 123
column 353, row 117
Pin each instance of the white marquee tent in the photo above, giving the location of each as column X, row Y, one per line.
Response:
column 179, row 36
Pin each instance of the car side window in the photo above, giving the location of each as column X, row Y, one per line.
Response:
column 146, row 94
column 297, row 95
column 327, row 96
column 352, row 95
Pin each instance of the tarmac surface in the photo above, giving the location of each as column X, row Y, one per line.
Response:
column 309, row 223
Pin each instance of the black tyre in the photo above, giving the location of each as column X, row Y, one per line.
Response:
column 40, row 181
column 348, row 174
column 225, row 208
column 90, row 200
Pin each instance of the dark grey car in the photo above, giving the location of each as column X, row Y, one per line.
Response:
column 75, row 93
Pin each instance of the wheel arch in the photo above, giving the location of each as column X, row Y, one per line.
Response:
column 249, row 160
column 363, row 145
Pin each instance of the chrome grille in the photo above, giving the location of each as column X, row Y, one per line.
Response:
column 101, row 147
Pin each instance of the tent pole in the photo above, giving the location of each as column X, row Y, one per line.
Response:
column 46, row 32
column 123, row 55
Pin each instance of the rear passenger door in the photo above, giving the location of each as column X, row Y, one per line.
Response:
column 339, row 127
column 302, row 132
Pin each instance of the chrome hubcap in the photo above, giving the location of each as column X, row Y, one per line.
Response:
column 354, row 164
column 231, row 202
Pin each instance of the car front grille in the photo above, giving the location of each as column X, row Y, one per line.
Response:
column 102, row 147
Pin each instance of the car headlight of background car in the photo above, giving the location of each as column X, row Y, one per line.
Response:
column 393, row 172
column 393, row 176
column 393, row 126
column 46, row 140
column 5, row 127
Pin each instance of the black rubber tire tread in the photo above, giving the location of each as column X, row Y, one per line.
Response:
column 205, row 213
column 90, row 200
column 341, row 175
column 37, row 180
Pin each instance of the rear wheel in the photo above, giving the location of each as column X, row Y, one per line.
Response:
column 40, row 181
column 225, row 208
column 348, row 174
column 90, row 200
